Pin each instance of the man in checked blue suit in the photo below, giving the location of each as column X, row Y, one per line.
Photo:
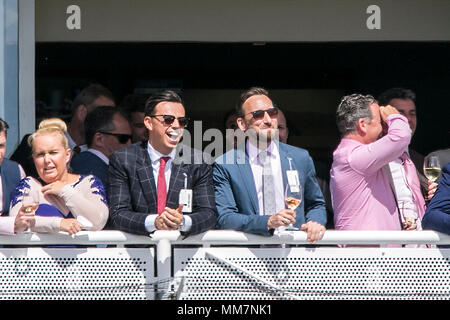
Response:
column 239, row 180
column 148, row 180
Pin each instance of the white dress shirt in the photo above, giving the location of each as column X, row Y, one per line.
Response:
column 402, row 190
column 155, row 157
column 257, row 170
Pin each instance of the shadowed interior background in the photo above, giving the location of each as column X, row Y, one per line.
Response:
column 306, row 80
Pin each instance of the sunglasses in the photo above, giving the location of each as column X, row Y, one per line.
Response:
column 123, row 138
column 168, row 119
column 259, row 114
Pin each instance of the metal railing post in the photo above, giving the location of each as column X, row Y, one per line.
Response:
column 164, row 255
column 164, row 261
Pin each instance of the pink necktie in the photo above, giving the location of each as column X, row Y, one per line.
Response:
column 162, row 189
column 413, row 182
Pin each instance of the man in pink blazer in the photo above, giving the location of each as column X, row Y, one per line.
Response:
column 361, row 194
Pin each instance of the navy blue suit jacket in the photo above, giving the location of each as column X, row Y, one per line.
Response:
column 236, row 198
column 132, row 190
column 88, row 163
column 10, row 174
column 437, row 215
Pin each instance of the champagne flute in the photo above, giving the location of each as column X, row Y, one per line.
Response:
column 292, row 198
column 29, row 204
column 432, row 168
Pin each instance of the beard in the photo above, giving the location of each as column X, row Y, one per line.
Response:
column 263, row 137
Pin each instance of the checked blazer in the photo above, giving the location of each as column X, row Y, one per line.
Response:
column 132, row 190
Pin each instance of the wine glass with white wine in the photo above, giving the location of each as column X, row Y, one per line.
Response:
column 292, row 198
column 29, row 204
column 432, row 168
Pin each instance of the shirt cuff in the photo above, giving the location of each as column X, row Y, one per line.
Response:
column 187, row 224
column 150, row 223
column 7, row 225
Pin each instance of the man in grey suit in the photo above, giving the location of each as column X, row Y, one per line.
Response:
column 250, row 180
column 152, row 186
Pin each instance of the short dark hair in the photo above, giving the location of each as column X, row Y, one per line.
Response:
column 88, row 95
column 161, row 96
column 100, row 119
column 352, row 108
column 134, row 102
column 253, row 91
column 4, row 126
column 395, row 93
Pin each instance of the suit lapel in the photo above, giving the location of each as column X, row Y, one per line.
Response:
column 176, row 184
column 147, row 180
column 178, row 169
column 284, row 155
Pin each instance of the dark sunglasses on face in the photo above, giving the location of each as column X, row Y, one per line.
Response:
column 168, row 119
column 123, row 138
column 259, row 114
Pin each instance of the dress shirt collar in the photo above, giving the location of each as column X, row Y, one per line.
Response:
column 99, row 154
column 156, row 155
column 72, row 144
column 253, row 151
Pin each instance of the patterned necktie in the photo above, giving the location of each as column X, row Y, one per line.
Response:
column 162, row 188
column 413, row 182
column 268, row 184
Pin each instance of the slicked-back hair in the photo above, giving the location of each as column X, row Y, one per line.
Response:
column 89, row 94
column 395, row 93
column 352, row 108
column 4, row 126
column 162, row 96
column 100, row 119
column 253, row 91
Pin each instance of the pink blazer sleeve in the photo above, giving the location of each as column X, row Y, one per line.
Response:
column 369, row 158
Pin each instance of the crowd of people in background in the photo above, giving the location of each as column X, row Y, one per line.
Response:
column 121, row 167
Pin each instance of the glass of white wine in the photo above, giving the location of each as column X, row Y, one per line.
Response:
column 29, row 204
column 292, row 198
column 432, row 168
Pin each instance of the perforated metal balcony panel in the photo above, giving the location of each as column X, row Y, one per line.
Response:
column 74, row 273
column 313, row 273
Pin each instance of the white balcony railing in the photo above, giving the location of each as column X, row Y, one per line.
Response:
column 224, row 237
column 222, row 264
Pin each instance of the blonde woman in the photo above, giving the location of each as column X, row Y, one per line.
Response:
column 65, row 201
